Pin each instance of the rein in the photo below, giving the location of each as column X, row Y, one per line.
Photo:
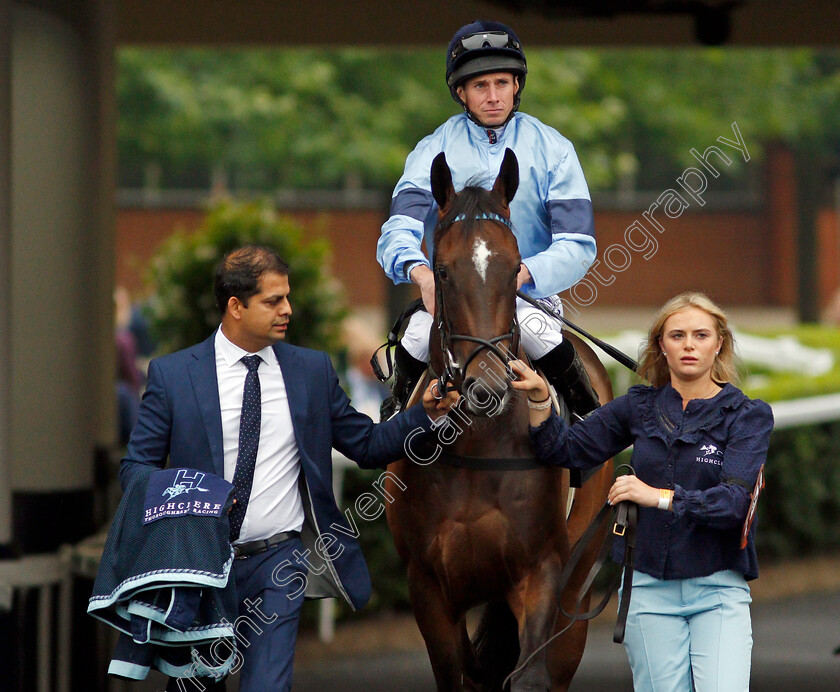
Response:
column 610, row 350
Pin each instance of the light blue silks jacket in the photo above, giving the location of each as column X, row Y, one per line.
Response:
column 551, row 211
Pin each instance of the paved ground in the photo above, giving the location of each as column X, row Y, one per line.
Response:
column 794, row 639
column 796, row 626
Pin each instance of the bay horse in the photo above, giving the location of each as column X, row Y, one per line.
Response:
column 476, row 520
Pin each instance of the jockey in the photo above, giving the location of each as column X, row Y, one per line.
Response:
column 551, row 211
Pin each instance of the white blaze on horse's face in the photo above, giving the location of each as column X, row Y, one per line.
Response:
column 481, row 257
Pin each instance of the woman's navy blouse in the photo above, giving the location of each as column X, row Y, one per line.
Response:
column 709, row 454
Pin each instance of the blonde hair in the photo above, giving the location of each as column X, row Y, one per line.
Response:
column 652, row 364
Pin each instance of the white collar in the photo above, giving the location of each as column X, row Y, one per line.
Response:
column 232, row 353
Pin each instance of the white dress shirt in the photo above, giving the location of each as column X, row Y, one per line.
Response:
column 275, row 504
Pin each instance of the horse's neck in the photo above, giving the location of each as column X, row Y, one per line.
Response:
column 504, row 435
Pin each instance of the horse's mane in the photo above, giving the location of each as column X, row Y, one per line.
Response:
column 472, row 202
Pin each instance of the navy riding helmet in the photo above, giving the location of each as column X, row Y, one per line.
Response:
column 482, row 47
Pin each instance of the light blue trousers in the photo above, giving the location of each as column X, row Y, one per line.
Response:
column 690, row 634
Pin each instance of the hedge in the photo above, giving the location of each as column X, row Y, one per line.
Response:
column 799, row 508
column 182, row 309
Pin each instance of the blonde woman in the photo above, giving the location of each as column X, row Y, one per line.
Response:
column 698, row 446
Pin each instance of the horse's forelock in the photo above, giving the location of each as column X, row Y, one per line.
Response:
column 473, row 201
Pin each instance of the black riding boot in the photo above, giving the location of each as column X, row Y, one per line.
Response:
column 407, row 370
column 564, row 369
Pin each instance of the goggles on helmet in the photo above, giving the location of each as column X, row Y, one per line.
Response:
column 485, row 39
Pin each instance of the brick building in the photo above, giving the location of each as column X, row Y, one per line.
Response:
column 740, row 248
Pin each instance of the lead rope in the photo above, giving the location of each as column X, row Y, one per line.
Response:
column 626, row 519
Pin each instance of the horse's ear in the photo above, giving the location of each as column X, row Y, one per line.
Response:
column 442, row 188
column 508, row 180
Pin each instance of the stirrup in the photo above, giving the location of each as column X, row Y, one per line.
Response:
column 407, row 372
column 393, row 340
column 390, row 407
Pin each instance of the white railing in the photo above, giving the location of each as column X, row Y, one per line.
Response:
column 817, row 409
column 43, row 573
column 783, row 353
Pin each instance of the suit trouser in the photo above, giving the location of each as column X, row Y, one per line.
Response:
column 269, row 589
column 686, row 632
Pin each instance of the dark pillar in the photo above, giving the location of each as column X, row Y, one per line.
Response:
column 814, row 191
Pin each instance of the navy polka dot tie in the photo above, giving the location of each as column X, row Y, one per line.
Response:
column 249, row 442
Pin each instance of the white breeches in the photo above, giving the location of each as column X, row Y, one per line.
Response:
column 540, row 333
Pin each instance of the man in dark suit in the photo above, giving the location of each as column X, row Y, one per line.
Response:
column 265, row 415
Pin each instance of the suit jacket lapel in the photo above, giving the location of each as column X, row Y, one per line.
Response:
column 206, row 387
column 296, row 389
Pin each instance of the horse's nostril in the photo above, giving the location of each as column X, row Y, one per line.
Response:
column 480, row 396
column 469, row 385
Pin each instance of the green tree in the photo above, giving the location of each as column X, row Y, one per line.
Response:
column 300, row 118
column 329, row 118
column 182, row 310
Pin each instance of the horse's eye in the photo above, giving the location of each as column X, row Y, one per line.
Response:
column 441, row 272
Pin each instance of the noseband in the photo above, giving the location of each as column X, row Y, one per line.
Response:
column 451, row 369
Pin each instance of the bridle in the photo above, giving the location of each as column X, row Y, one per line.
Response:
column 452, row 371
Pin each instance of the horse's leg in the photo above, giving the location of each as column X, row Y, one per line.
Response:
column 443, row 631
column 534, row 604
column 566, row 652
column 471, row 665
column 554, row 666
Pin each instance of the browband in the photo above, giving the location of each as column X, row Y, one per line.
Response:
column 485, row 217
